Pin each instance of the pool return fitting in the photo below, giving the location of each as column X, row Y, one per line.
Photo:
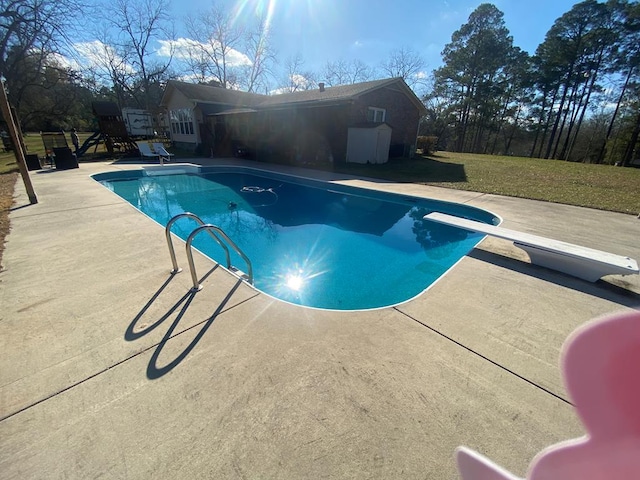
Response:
column 219, row 236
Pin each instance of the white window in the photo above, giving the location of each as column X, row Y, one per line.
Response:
column 181, row 121
column 376, row 115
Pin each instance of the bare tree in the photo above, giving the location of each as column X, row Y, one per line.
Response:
column 405, row 63
column 296, row 78
column 197, row 67
column 215, row 50
column 28, row 26
column 33, row 36
column 342, row 72
column 261, row 55
column 137, row 25
column 103, row 65
column 235, row 56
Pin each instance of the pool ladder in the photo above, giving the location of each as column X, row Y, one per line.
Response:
column 216, row 233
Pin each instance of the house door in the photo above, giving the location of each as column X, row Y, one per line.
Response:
column 222, row 140
column 207, row 139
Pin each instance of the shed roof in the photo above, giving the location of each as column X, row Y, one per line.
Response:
column 369, row 125
column 106, row 109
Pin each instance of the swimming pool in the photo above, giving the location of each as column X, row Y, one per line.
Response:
column 311, row 243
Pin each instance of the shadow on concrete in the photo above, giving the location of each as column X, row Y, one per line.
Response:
column 132, row 334
column 154, row 371
column 601, row 289
column 136, row 160
column 20, row 207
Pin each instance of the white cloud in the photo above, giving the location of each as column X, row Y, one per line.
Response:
column 64, row 62
column 96, row 54
column 183, row 47
column 297, row 83
column 178, row 48
column 300, row 80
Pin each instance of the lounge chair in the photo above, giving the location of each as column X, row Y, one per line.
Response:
column 160, row 150
column 64, row 158
column 147, row 150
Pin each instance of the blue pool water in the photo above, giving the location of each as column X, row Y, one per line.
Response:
column 310, row 243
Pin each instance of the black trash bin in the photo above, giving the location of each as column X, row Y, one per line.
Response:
column 64, row 158
column 33, row 162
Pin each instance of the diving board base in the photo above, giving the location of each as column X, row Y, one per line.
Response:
column 583, row 268
column 581, row 262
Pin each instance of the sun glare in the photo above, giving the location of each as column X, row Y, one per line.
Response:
column 300, row 273
column 262, row 9
column 295, row 282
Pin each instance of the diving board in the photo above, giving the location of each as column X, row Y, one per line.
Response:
column 575, row 260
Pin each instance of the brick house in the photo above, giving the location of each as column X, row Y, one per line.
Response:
column 363, row 122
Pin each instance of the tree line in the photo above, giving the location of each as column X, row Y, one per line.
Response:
column 576, row 98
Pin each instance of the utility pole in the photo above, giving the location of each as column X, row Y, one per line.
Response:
column 17, row 145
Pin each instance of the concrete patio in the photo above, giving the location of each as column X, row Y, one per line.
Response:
column 113, row 369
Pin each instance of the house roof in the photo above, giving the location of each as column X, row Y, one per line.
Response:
column 235, row 111
column 329, row 94
column 235, row 99
column 212, row 95
column 210, row 109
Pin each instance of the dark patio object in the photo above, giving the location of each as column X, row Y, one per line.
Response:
column 33, row 162
column 64, row 158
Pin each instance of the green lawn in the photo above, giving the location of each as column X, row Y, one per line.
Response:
column 604, row 187
column 33, row 142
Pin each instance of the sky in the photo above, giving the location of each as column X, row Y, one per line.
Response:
column 368, row 30
column 320, row 31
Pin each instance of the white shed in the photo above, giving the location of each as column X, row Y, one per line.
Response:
column 369, row 143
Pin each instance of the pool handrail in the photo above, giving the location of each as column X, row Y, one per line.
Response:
column 172, row 253
column 213, row 230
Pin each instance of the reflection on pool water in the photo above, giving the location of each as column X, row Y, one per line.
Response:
column 311, row 243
